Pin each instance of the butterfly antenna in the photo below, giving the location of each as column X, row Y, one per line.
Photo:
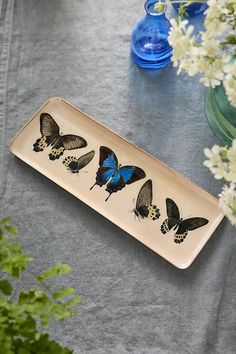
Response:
column 93, row 186
column 108, row 197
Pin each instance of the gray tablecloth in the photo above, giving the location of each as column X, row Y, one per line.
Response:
column 133, row 301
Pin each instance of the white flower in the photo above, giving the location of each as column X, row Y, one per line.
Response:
column 230, row 81
column 231, row 154
column 180, row 34
column 222, row 163
column 210, row 80
column 215, row 162
column 205, row 54
column 215, row 150
column 227, row 201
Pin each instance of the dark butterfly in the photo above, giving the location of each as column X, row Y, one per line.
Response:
column 51, row 136
column 74, row 164
column 112, row 174
column 182, row 226
column 144, row 207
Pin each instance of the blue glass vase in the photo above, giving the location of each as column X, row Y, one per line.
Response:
column 193, row 9
column 150, row 48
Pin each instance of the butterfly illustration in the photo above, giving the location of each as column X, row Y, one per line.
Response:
column 180, row 225
column 144, row 207
column 51, row 137
column 113, row 174
column 74, row 164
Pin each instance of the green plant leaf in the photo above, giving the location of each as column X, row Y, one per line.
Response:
column 63, row 292
column 5, row 287
column 5, row 221
column 76, row 300
column 12, row 230
column 47, row 346
column 33, row 308
column 12, row 259
column 55, row 271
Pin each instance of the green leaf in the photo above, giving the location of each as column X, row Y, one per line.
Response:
column 48, row 346
column 5, row 221
column 76, row 300
column 5, row 287
column 12, row 230
column 23, row 351
column 55, row 271
column 63, row 292
column 33, row 308
column 12, row 259
column 230, row 40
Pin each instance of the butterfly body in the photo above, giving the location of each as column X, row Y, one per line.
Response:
column 114, row 175
column 142, row 211
column 144, row 207
column 51, row 137
column 74, row 165
column 179, row 225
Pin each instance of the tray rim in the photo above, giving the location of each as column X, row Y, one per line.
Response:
column 173, row 172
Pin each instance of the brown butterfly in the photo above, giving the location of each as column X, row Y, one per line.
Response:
column 51, row 137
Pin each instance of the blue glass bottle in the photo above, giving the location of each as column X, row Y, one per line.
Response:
column 150, row 48
column 193, row 9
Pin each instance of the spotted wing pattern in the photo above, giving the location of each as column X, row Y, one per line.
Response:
column 188, row 225
column 173, row 216
column 74, row 165
column 183, row 226
column 50, row 132
column 144, row 207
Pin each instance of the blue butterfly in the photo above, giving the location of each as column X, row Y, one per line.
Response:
column 112, row 174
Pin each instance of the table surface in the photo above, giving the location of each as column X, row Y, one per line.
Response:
column 133, row 301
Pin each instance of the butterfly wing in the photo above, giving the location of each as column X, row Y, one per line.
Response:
column 145, row 195
column 51, row 136
column 48, row 126
column 71, row 162
column 74, row 164
column 173, row 216
column 71, row 142
column 49, row 130
column 188, row 225
column 172, row 210
column 108, row 164
column 125, row 175
column 85, row 159
column 66, row 142
column 144, row 206
column 107, row 157
column 131, row 174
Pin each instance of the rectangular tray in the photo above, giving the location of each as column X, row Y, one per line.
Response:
column 192, row 201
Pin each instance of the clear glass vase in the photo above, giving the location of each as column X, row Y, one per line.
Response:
column 221, row 115
column 150, row 48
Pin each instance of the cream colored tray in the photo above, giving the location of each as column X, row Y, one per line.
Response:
column 137, row 192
